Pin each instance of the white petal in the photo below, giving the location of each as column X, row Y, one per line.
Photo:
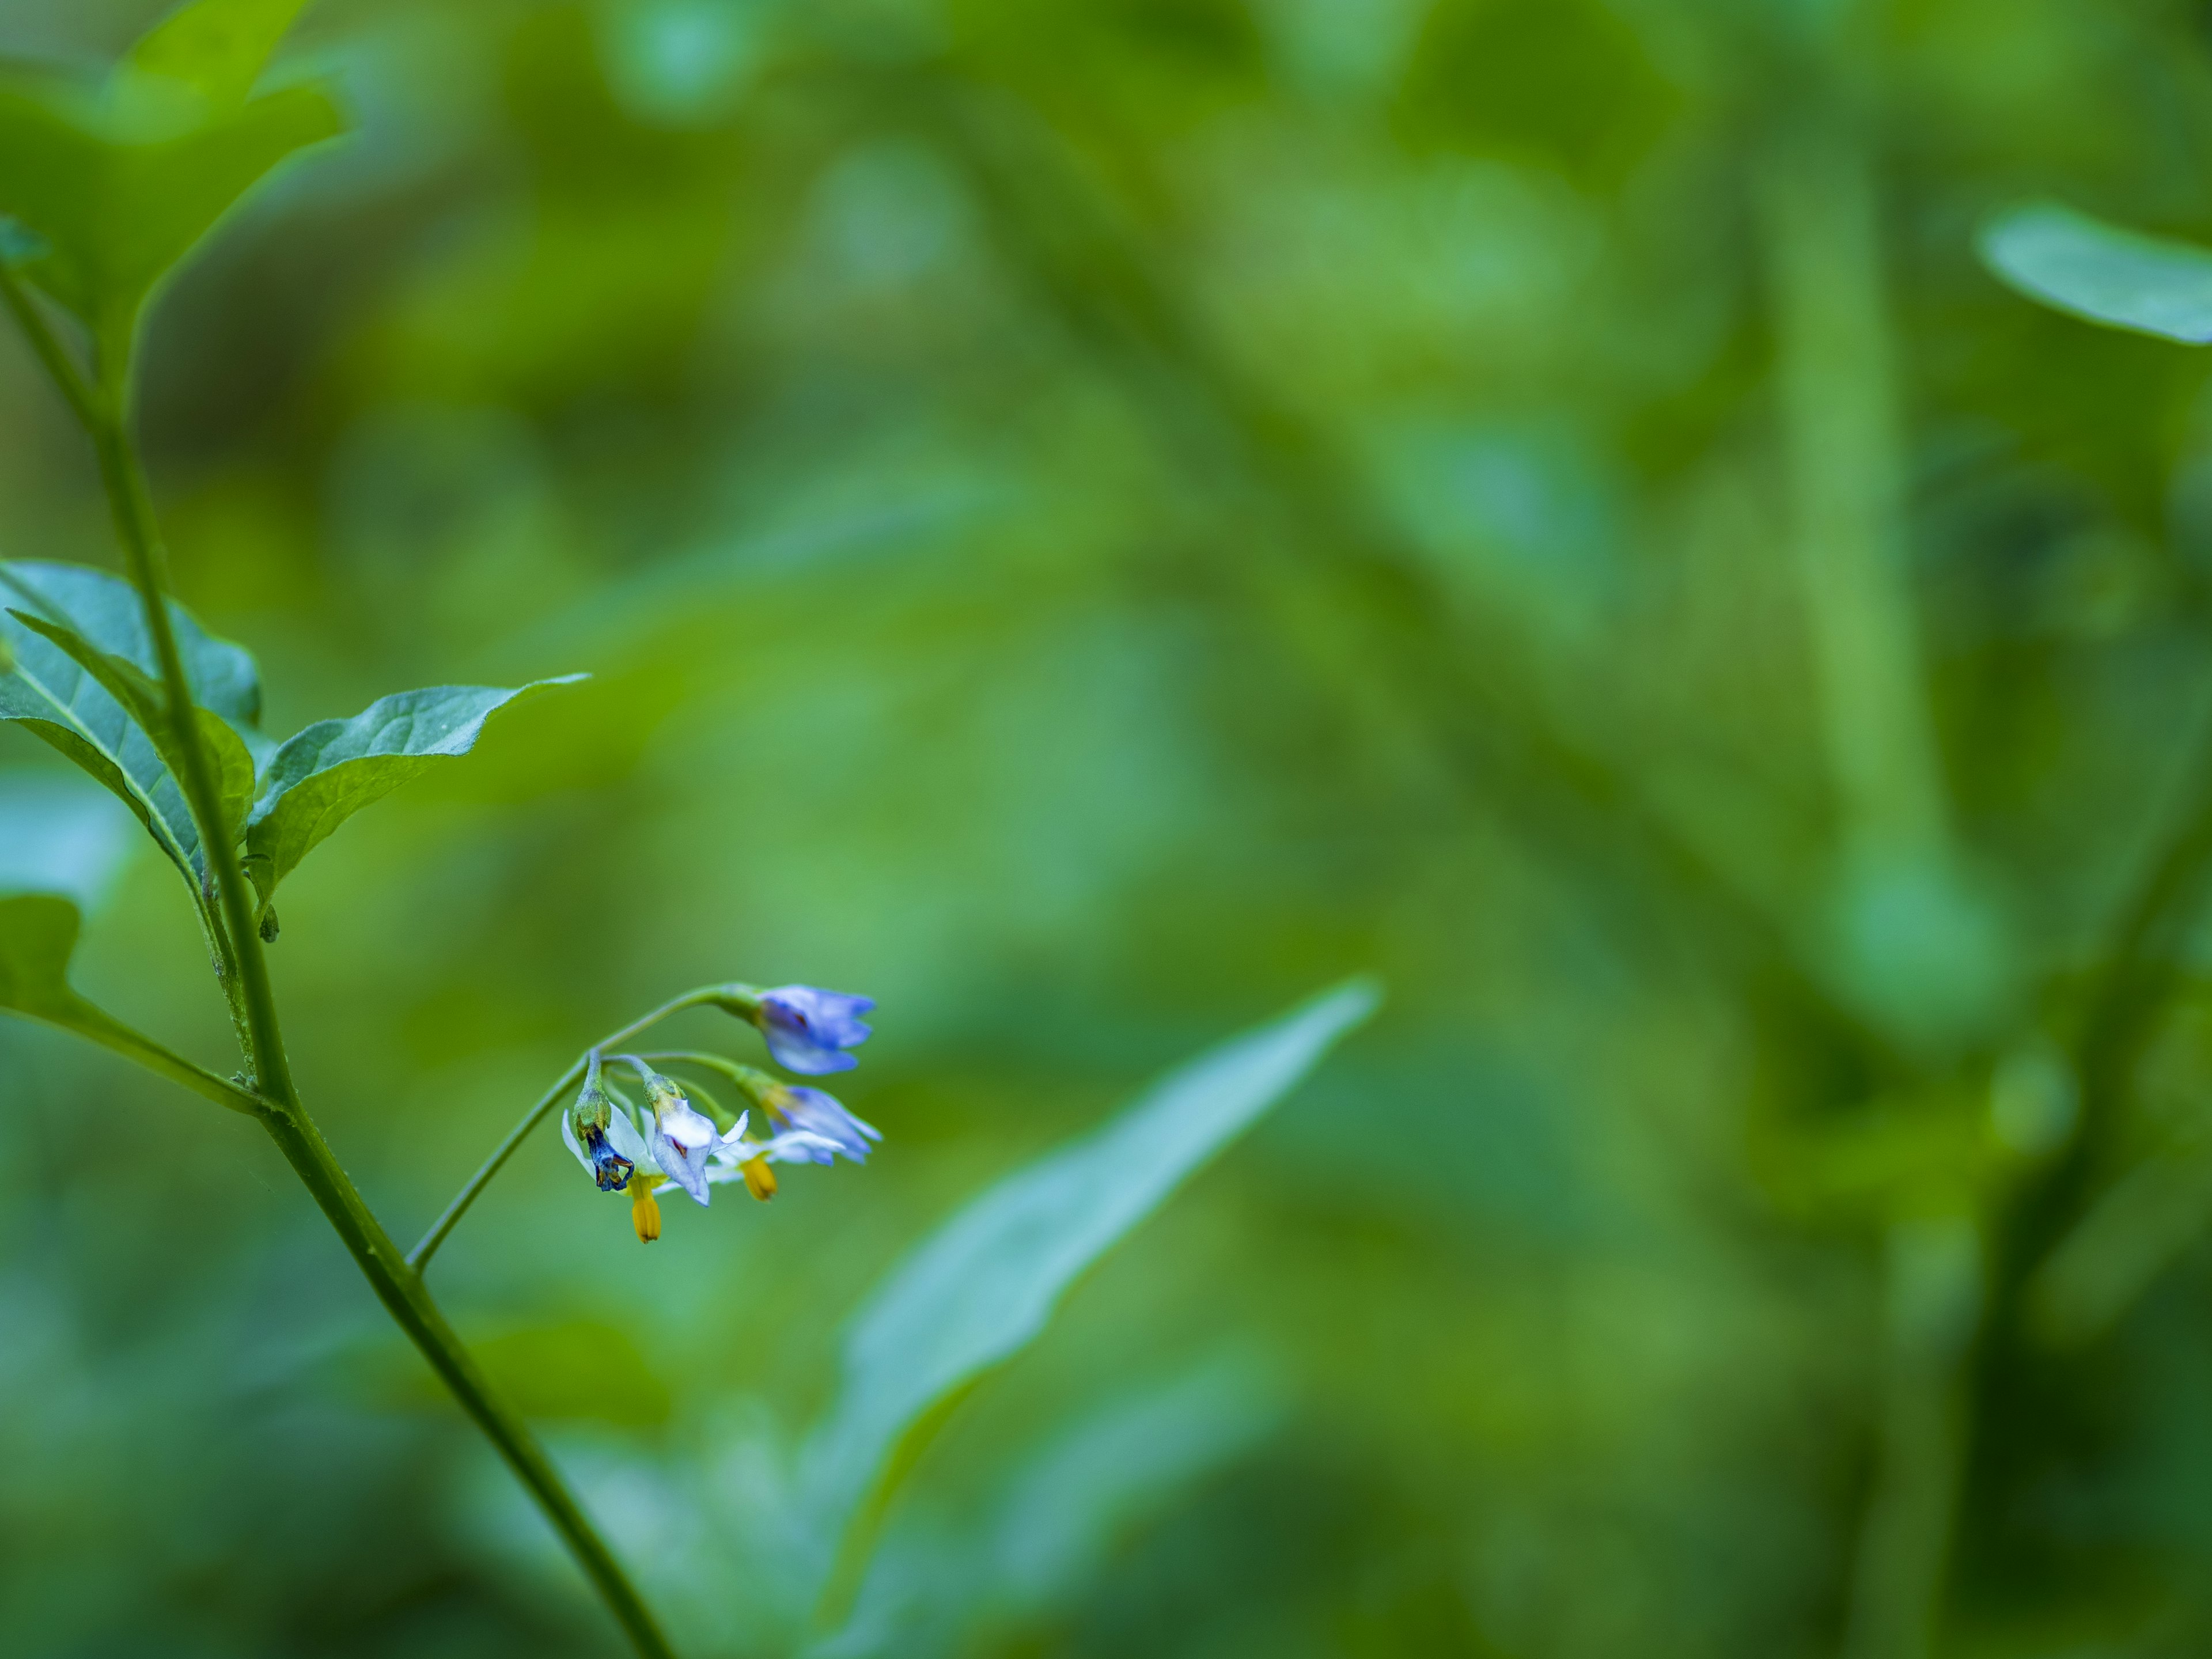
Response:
column 687, row 1128
column 684, row 1166
column 622, row 1136
column 569, row 1139
column 728, row 1139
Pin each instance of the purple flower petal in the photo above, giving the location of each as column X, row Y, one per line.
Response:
column 809, row 1029
column 826, row 1116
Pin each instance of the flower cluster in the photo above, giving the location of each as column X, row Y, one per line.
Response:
column 669, row 1141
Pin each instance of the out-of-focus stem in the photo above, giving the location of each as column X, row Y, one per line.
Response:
column 1932, row 1295
column 1842, row 431
column 1369, row 597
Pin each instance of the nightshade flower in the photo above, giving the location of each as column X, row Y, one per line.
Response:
column 585, row 1127
column 675, row 1148
column 808, row 1030
column 827, row 1124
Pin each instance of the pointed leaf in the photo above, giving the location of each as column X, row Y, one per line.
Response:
column 217, row 47
column 82, row 679
column 38, row 933
column 983, row 1285
column 107, row 611
column 121, row 180
column 2077, row 263
column 51, row 696
column 144, row 700
column 325, row 774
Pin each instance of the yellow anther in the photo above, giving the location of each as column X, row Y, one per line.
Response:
column 644, row 1208
column 760, row 1180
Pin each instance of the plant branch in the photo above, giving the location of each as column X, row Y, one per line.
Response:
column 98, row 1027
column 396, row 1284
column 53, row 354
column 419, row 1257
column 722, row 1066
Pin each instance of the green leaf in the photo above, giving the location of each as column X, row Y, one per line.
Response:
column 2077, row 263
column 121, row 177
column 107, row 611
column 217, row 47
column 983, row 1285
column 322, row 776
column 147, row 704
column 81, row 676
column 38, row 934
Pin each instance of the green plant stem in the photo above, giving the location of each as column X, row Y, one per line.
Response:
column 396, row 1284
column 136, row 1045
column 420, row 1255
column 1932, row 1292
column 406, row 1298
column 720, row 1065
column 83, row 400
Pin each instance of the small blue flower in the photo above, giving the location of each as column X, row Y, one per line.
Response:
column 822, row 1117
column 809, row 1030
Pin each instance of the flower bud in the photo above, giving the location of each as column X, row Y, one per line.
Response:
column 587, row 1123
column 808, row 1030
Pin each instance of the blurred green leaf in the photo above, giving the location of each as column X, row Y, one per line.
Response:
column 38, row 934
column 82, row 679
column 2082, row 265
column 323, row 775
column 217, row 47
column 2137, row 1228
column 1059, row 1519
column 983, row 1286
column 120, row 177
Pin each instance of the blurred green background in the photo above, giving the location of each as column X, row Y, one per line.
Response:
column 1087, row 522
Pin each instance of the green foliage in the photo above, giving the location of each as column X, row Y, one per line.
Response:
column 321, row 777
column 38, row 935
column 1087, row 520
column 121, row 177
column 216, row 47
column 2099, row 271
column 983, row 1286
column 83, row 678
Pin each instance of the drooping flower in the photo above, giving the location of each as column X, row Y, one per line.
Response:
column 675, row 1148
column 820, row 1115
column 679, row 1138
column 585, row 1126
column 808, row 1030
